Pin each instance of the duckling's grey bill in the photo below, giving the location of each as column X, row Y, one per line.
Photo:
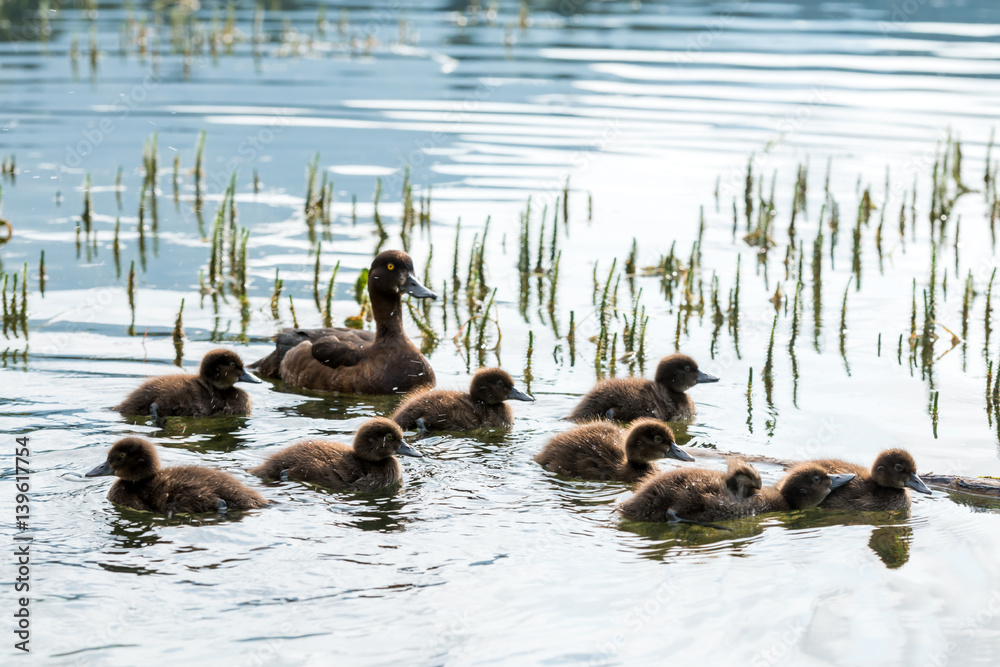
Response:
column 917, row 484
column 841, row 479
column 518, row 395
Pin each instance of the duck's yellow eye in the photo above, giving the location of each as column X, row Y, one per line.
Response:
column 121, row 455
column 658, row 439
column 390, row 266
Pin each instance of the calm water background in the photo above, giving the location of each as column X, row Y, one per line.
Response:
column 481, row 557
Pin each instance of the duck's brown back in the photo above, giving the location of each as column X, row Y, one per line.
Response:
column 445, row 410
column 591, row 451
column 861, row 493
column 329, row 464
column 631, row 399
column 185, row 396
column 383, row 367
column 693, row 494
column 187, row 489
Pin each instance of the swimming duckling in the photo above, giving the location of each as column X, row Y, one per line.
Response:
column 625, row 399
column 210, row 392
column 353, row 361
column 603, row 451
column 694, row 494
column 881, row 488
column 368, row 466
column 482, row 407
column 699, row 496
column 143, row 485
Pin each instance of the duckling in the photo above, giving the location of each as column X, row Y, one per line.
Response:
column 699, row 496
column 353, row 361
column 143, row 485
column 210, row 392
column 603, row 451
column 368, row 466
column 882, row 488
column 625, row 399
column 482, row 407
column 694, row 494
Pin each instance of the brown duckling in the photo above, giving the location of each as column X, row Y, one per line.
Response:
column 625, row 399
column 482, row 407
column 701, row 496
column 694, row 494
column 143, row 485
column 353, row 361
column 210, row 392
column 882, row 488
column 367, row 466
column 603, row 451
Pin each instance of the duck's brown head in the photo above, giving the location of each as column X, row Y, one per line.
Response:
column 131, row 459
column 379, row 439
column 223, row 368
column 808, row 484
column 679, row 372
column 743, row 479
column 392, row 274
column 649, row 440
column 493, row 386
column 895, row 468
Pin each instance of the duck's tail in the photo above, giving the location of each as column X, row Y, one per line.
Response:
column 270, row 366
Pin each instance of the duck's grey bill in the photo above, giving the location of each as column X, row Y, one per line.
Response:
column 101, row 471
column 678, row 453
column 518, row 395
column 840, row 480
column 917, row 484
column 406, row 450
column 413, row 287
column 705, row 377
column 246, row 377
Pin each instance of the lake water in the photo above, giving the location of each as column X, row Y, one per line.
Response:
column 652, row 112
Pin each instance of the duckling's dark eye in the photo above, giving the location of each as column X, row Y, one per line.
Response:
column 390, row 266
column 658, row 439
column 899, row 467
column 816, row 478
column 687, row 368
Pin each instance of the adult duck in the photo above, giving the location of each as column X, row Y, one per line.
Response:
column 353, row 361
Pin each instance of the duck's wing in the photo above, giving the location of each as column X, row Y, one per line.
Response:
column 337, row 347
column 340, row 347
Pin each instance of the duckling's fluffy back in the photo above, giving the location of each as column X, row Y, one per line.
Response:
column 185, row 396
column 329, row 464
column 630, row 399
column 446, row 410
column 694, row 494
column 591, row 451
column 185, row 489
